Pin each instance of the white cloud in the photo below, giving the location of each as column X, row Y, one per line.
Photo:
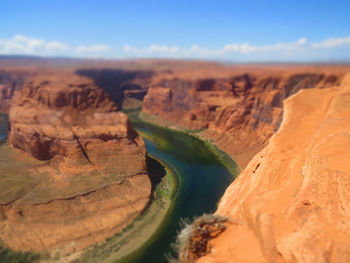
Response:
column 332, row 42
column 30, row 43
column 92, row 49
column 244, row 48
column 20, row 44
column 54, row 45
column 302, row 42
column 162, row 49
column 152, row 49
column 128, row 48
column 197, row 51
column 298, row 50
column 240, row 48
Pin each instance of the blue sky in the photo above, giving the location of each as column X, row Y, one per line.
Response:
column 255, row 30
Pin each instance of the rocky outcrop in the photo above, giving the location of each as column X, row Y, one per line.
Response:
column 10, row 80
column 193, row 240
column 90, row 178
column 237, row 112
column 291, row 203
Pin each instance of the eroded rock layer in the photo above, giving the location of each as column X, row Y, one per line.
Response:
column 11, row 80
column 291, row 203
column 89, row 178
column 239, row 112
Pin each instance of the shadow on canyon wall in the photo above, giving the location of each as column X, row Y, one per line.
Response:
column 156, row 171
column 116, row 83
column 13, row 80
column 9, row 83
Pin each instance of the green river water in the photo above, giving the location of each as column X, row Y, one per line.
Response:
column 203, row 180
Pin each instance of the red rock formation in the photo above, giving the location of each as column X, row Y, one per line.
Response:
column 95, row 181
column 291, row 202
column 10, row 80
column 238, row 112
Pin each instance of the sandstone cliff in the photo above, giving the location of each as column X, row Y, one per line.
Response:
column 11, row 80
column 291, row 203
column 88, row 179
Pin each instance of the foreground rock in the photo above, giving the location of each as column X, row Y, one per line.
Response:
column 291, row 203
column 89, row 178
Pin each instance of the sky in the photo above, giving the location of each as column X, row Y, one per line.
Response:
column 237, row 31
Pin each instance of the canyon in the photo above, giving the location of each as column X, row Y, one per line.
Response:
column 286, row 126
column 239, row 112
column 74, row 172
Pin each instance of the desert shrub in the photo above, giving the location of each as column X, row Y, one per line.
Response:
column 10, row 256
column 193, row 240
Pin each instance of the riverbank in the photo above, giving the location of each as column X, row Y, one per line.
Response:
column 167, row 190
column 124, row 246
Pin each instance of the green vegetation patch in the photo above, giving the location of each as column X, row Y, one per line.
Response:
column 23, row 177
column 224, row 158
column 9, row 256
column 15, row 174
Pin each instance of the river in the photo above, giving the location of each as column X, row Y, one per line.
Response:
column 203, row 182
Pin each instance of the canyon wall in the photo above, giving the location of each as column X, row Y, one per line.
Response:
column 88, row 177
column 10, row 81
column 291, row 203
column 239, row 112
column 288, row 131
column 125, row 87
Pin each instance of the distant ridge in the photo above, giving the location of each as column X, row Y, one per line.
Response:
column 12, row 60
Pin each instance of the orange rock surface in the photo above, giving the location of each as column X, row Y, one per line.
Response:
column 291, row 203
column 93, row 166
